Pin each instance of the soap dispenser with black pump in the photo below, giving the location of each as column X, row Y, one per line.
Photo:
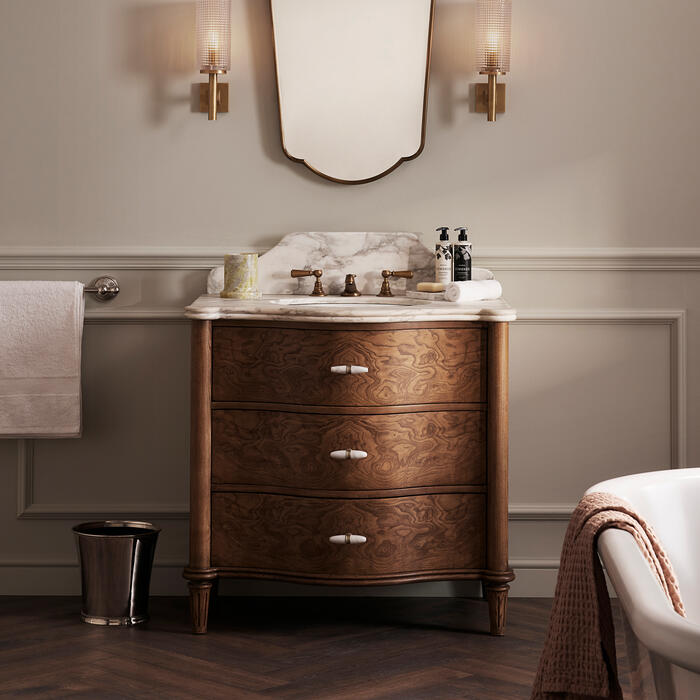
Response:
column 462, row 254
column 443, row 257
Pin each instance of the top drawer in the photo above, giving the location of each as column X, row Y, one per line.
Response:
column 293, row 366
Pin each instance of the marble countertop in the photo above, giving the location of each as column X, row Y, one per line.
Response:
column 336, row 309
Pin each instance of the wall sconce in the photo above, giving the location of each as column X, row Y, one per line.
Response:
column 213, row 23
column 493, row 54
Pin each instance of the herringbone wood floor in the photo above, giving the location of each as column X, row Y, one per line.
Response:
column 298, row 648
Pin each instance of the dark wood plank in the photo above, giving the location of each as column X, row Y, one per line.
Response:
column 261, row 648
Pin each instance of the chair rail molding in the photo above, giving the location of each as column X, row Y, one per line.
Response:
column 195, row 258
column 161, row 309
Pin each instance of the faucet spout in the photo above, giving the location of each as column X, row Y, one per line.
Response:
column 350, row 287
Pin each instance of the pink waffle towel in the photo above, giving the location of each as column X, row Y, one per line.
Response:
column 578, row 661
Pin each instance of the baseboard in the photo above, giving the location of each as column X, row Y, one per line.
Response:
column 167, row 580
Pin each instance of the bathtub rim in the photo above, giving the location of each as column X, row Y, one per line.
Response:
column 652, row 618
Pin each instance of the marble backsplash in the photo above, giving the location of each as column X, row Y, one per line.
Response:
column 337, row 254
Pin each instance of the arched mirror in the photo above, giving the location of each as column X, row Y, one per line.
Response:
column 352, row 79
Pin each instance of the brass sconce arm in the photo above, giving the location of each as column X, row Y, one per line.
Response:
column 491, row 96
column 213, row 96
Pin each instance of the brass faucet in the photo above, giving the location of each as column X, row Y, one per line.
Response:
column 385, row 291
column 318, row 287
column 350, row 287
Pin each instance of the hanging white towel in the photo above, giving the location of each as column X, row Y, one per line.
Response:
column 41, row 331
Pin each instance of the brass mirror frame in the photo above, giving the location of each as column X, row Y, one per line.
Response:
column 401, row 160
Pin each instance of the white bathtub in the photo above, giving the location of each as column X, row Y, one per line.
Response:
column 670, row 502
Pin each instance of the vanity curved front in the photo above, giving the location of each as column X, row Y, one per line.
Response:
column 391, row 471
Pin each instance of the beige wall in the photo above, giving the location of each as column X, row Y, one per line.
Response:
column 99, row 148
column 103, row 168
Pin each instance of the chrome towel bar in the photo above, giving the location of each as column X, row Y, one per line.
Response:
column 104, row 288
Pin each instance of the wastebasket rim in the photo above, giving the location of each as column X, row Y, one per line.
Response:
column 148, row 528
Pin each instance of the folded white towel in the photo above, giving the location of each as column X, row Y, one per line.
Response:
column 41, row 331
column 479, row 274
column 481, row 287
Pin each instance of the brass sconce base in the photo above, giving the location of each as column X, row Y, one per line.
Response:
column 482, row 98
column 221, row 97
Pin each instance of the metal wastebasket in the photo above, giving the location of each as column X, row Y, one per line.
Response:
column 116, row 557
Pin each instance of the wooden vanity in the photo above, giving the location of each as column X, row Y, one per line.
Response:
column 427, row 401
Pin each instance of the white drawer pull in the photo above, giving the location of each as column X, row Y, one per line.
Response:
column 348, row 454
column 347, row 539
column 349, row 369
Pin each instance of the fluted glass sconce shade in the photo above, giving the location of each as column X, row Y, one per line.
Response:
column 492, row 53
column 493, row 35
column 214, row 34
column 213, row 28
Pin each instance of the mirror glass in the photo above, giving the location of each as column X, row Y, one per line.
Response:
column 352, row 78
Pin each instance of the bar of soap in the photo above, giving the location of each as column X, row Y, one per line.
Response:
column 430, row 287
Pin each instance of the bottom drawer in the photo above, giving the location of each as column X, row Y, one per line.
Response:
column 276, row 534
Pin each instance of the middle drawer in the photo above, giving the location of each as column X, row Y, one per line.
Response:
column 404, row 450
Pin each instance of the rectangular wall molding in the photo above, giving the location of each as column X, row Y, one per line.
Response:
column 675, row 319
column 27, row 509
column 540, row 511
column 505, row 258
column 536, row 575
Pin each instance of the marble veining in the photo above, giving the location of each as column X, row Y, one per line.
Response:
column 277, row 308
column 337, row 254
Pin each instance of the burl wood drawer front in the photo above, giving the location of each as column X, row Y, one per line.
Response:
column 412, row 366
column 275, row 448
column 289, row 534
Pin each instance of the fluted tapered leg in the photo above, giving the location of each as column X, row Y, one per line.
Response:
column 497, row 597
column 199, row 605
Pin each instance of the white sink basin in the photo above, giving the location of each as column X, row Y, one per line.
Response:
column 350, row 301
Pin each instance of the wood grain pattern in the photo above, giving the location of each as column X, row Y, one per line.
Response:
column 199, row 605
column 345, row 410
column 200, row 445
column 292, row 450
column 313, row 648
column 497, row 598
column 287, row 533
column 322, row 325
column 424, row 365
column 497, row 501
column 266, row 411
column 334, row 493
